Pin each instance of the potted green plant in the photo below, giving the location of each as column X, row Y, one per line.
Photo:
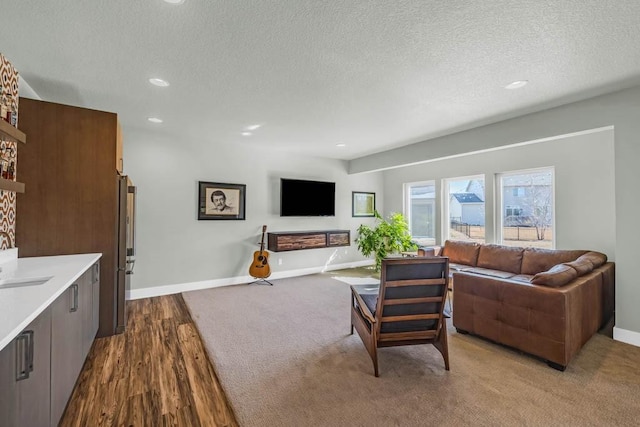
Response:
column 387, row 237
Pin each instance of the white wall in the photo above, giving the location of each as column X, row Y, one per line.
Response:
column 174, row 248
column 584, row 200
column 620, row 110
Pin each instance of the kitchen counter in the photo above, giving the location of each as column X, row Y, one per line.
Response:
column 20, row 305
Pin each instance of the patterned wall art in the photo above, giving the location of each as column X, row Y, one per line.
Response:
column 8, row 149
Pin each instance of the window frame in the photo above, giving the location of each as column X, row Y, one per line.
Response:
column 501, row 208
column 407, row 186
column 446, row 200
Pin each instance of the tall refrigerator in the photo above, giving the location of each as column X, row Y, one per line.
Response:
column 126, row 247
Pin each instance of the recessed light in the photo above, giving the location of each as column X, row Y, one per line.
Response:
column 158, row 82
column 246, row 134
column 174, row 1
column 253, row 127
column 517, row 84
column 341, row 145
column 154, row 120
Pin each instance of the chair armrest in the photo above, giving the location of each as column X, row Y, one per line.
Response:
column 364, row 310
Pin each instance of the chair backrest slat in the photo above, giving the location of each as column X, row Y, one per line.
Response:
column 398, row 301
column 405, row 317
column 407, row 336
column 397, row 283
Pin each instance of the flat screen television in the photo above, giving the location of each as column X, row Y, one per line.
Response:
column 307, row 198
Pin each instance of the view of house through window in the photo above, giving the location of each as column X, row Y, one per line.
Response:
column 421, row 212
column 465, row 207
column 527, row 208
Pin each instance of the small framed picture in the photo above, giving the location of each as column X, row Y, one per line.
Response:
column 363, row 204
column 221, row 201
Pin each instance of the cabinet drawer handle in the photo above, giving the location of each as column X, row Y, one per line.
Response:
column 31, row 344
column 96, row 272
column 74, row 306
column 22, row 356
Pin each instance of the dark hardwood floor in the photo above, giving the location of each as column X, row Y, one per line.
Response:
column 157, row 373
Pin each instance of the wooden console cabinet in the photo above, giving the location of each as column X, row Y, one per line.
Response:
column 296, row 240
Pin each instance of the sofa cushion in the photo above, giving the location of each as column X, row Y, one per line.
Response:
column 461, row 252
column 526, row 278
column 459, row 267
column 596, row 258
column 556, row 276
column 498, row 257
column 489, row 272
column 582, row 266
column 536, row 260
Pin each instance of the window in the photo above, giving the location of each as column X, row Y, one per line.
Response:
column 464, row 207
column 513, row 211
column 421, row 212
column 529, row 222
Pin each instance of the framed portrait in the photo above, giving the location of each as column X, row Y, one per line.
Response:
column 363, row 204
column 221, row 201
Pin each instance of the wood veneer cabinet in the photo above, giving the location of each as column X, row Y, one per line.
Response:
column 296, row 240
column 69, row 168
column 119, row 151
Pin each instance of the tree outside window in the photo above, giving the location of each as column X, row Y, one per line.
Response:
column 530, row 221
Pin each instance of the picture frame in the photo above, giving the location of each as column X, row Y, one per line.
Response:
column 363, row 204
column 221, row 201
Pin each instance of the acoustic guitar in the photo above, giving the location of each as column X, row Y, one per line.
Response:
column 260, row 266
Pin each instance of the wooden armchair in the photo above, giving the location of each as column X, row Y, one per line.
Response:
column 407, row 309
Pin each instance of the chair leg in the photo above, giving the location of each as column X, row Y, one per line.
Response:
column 442, row 345
column 374, row 358
column 352, row 329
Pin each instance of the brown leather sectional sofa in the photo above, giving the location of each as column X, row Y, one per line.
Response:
column 544, row 302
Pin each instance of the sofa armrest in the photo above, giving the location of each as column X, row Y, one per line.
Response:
column 552, row 323
column 429, row 251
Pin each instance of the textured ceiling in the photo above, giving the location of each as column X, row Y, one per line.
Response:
column 370, row 74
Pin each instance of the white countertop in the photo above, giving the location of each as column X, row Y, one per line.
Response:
column 19, row 306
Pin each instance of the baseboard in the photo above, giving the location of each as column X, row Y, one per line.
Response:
column 206, row 284
column 624, row 335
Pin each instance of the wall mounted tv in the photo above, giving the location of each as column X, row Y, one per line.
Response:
column 307, row 198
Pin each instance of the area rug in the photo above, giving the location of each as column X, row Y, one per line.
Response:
column 285, row 357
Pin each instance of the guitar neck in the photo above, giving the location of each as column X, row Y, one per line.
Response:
column 264, row 230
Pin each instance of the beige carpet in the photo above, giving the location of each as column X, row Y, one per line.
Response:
column 285, row 357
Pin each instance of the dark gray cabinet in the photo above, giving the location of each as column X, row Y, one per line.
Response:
column 86, row 311
column 25, row 376
column 66, row 348
column 74, row 323
column 95, row 286
column 39, row 368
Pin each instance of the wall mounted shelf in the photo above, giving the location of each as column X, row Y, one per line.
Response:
column 10, row 133
column 8, row 185
column 296, row 240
